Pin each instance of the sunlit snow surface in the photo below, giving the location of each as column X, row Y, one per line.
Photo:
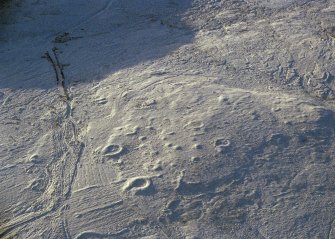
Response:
column 167, row 119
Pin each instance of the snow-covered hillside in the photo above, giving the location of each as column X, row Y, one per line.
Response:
column 167, row 119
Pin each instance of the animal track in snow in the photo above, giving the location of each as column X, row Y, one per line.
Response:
column 181, row 210
column 145, row 104
column 222, row 144
column 194, row 125
column 35, row 158
column 112, row 151
column 139, row 185
column 197, row 146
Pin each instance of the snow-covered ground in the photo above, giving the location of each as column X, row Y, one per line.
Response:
column 167, row 119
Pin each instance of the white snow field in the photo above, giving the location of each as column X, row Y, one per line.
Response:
column 167, row 119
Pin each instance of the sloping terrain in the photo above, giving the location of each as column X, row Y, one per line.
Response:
column 167, row 119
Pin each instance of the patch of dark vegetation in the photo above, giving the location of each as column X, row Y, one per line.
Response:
column 6, row 10
column 4, row 5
